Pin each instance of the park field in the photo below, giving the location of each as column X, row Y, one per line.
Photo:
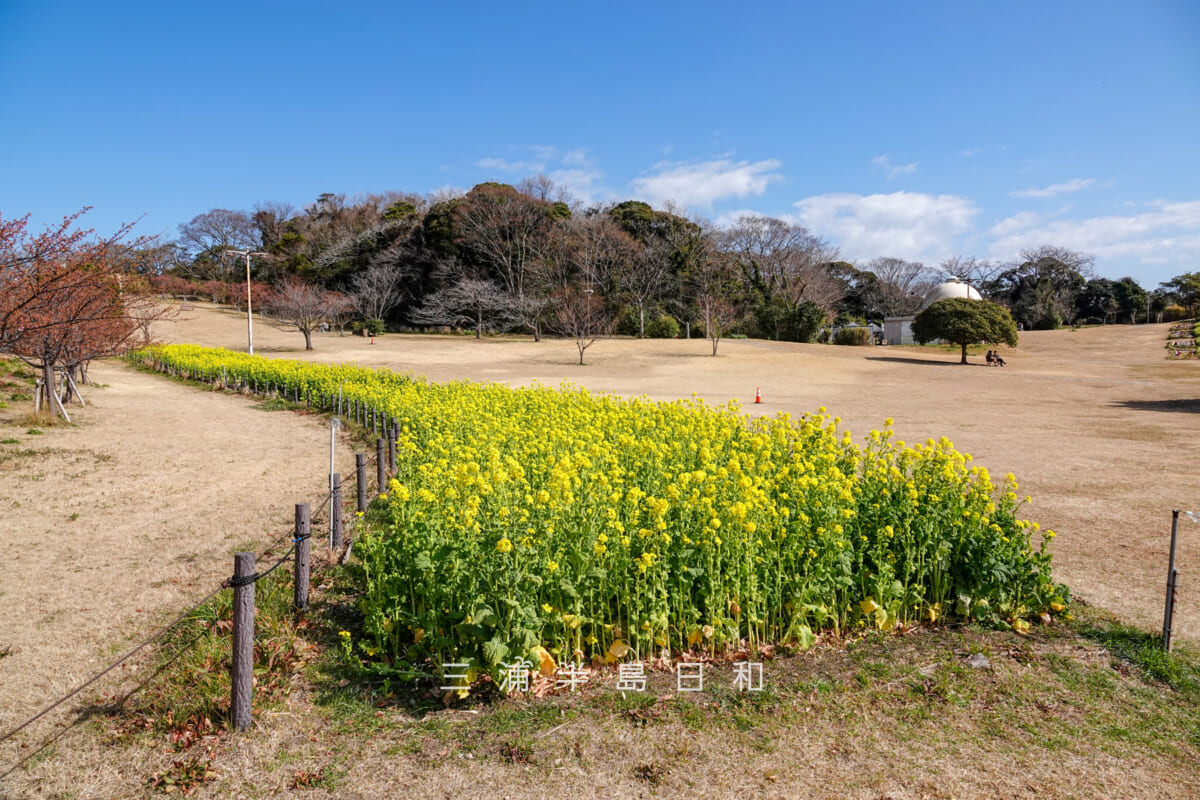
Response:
column 131, row 513
column 1098, row 427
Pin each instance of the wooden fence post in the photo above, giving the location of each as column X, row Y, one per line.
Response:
column 380, row 466
column 303, row 551
column 242, row 672
column 335, row 513
column 360, row 478
column 392, row 447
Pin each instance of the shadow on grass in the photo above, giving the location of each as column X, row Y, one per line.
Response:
column 929, row 362
column 1185, row 406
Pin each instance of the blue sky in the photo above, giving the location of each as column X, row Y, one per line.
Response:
column 917, row 129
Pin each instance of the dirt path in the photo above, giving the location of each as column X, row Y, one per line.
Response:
column 1096, row 424
column 119, row 521
column 132, row 514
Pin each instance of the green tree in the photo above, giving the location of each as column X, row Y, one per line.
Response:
column 965, row 322
column 1183, row 289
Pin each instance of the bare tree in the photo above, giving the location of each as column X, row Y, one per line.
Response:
column 507, row 230
column 543, row 188
column 271, row 219
column 582, row 315
column 480, row 303
column 709, row 275
column 906, row 286
column 787, row 272
column 591, row 252
column 303, row 307
column 207, row 236
column 144, row 307
column 342, row 309
column 645, row 280
column 378, row 288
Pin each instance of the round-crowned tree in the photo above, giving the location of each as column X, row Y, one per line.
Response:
column 965, row 322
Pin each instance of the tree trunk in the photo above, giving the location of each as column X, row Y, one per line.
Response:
column 964, row 354
column 479, row 323
column 641, row 322
column 307, row 338
column 68, row 391
column 48, row 388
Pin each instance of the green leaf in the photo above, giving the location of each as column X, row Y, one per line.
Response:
column 805, row 637
column 494, row 650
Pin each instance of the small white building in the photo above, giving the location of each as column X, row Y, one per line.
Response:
column 898, row 330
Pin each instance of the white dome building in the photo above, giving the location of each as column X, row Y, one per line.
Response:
column 954, row 288
column 898, row 330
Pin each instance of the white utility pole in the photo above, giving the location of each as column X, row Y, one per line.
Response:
column 249, row 309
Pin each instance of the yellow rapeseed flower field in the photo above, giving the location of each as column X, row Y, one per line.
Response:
column 526, row 521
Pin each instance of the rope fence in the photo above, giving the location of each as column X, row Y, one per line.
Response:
column 245, row 576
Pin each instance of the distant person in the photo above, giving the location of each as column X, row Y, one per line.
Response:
column 997, row 359
column 991, row 358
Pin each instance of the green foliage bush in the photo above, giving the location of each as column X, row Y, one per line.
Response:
column 664, row 327
column 855, row 337
column 368, row 327
column 627, row 322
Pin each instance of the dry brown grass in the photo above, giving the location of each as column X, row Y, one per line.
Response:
column 166, row 480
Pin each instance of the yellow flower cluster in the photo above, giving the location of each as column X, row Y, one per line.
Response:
column 527, row 518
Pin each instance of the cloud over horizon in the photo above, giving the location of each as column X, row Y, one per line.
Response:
column 703, row 183
column 1168, row 232
column 909, row 225
column 1073, row 185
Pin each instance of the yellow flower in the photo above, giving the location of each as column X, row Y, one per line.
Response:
column 504, row 546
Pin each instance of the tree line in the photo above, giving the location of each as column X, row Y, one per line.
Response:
column 510, row 258
column 525, row 258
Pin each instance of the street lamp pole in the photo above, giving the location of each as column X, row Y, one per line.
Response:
column 249, row 309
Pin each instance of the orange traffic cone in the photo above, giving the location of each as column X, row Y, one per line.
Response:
column 372, row 340
column 757, row 395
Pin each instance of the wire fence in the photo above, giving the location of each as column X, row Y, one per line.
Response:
column 234, row 582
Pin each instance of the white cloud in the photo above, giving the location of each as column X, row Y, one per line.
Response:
column 576, row 158
column 970, row 151
column 730, row 218
column 704, row 183
column 909, row 225
column 1017, row 222
column 505, row 165
column 1073, row 185
column 572, row 170
column 579, row 176
column 1167, row 232
column 884, row 163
